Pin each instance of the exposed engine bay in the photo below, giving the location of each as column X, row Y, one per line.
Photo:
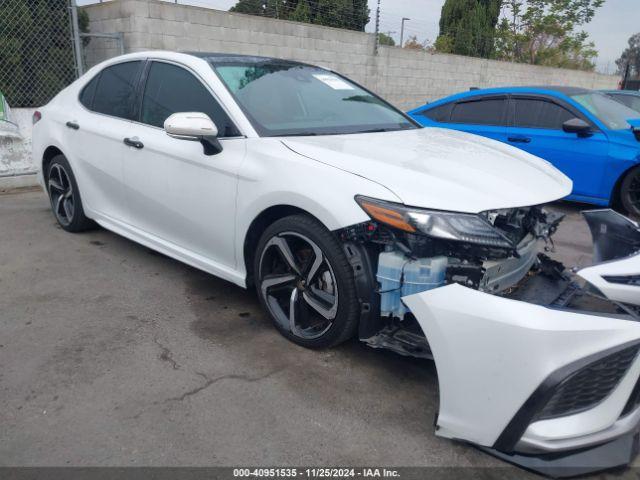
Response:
column 405, row 263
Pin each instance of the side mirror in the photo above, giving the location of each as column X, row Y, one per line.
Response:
column 577, row 126
column 194, row 126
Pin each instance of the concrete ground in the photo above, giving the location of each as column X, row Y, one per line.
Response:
column 111, row 354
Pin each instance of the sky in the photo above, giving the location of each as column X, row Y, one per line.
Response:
column 610, row 29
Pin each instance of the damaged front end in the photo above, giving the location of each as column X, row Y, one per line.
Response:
column 536, row 364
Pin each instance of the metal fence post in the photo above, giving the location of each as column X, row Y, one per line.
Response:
column 377, row 40
column 76, row 38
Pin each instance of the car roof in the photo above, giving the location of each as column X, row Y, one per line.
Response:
column 634, row 93
column 555, row 90
column 217, row 58
column 529, row 88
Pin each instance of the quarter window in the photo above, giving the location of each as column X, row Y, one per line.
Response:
column 170, row 89
column 88, row 92
column 439, row 114
column 539, row 113
column 116, row 88
column 488, row 111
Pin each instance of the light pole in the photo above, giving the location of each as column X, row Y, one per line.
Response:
column 404, row 19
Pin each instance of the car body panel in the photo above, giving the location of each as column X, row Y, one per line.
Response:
column 595, row 163
column 445, row 170
column 601, row 276
column 481, row 342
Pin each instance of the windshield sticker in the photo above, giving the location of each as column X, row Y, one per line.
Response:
column 334, row 82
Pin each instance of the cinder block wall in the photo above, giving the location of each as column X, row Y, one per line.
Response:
column 405, row 77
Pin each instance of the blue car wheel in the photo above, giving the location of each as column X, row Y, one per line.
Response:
column 630, row 192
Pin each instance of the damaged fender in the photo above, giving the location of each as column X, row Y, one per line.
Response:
column 499, row 362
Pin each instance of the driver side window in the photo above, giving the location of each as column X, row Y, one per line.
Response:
column 539, row 113
column 170, row 89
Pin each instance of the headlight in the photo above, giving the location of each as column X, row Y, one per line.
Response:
column 461, row 227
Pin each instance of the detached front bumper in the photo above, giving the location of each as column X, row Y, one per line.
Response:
column 554, row 390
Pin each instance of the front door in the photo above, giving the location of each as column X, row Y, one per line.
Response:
column 175, row 192
column 537, row 129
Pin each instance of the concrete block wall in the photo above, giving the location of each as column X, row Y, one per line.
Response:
column 151, row 25
column 16, row 166
column 407, row 78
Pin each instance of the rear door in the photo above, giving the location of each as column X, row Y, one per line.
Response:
column 537, row 129
column 95, row 131
column 486, row 116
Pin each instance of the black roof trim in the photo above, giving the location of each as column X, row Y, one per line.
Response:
column 216, row 58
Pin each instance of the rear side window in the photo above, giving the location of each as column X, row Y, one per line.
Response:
column 88, row 92
column 170, row 89
column 488, row 111
column 539, row 113
column 115, row 91
column 439, row 114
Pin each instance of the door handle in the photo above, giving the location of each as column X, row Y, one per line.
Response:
column 73, row 125
column 519, row 139
column 132, row 142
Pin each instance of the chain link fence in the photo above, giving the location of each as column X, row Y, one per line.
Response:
column 36, row 50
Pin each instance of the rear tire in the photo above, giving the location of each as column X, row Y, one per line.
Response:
column 299, row 265
column 630, row 192
column 64, row 196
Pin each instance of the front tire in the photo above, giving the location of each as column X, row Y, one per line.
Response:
column 305, row 282
column 64, row 196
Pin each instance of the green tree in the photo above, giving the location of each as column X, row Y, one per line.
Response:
column 349, row 14
column 36, row 54
column 467, row 27
column 360, row 15
column 302, row 12
column 630, row 56
column 546, row 32
column 384, row 39
column 251, row 7
column 334, row 13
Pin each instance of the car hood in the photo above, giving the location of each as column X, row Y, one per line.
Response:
column 440, row 168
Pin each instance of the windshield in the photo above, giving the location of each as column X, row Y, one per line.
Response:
column 283, row 98
column 613, row 114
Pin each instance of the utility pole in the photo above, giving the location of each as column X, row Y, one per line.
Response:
column 404, row 19
column 377, row 39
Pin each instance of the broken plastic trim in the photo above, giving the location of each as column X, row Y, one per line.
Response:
column 614, row 235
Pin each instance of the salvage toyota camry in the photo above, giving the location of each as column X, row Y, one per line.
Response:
column 350, row 219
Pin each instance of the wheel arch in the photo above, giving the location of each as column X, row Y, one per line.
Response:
column 265, row 218
column 614, row 200
column 49, row 153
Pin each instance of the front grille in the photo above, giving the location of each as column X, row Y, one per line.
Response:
column 589, row 386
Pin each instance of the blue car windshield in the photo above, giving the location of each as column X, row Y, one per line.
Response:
column 613, row 114
column 283, row 98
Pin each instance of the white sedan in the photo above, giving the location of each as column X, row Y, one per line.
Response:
column 349, row 219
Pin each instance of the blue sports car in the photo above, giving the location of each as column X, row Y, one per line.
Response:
column 593, row 139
